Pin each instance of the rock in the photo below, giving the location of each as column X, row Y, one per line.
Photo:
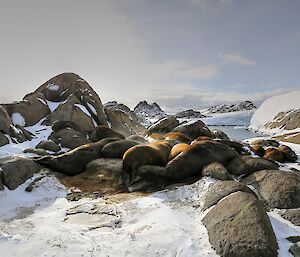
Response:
column 49, row 145
column 69, row 138
column 191, row 161
column 220, row 190
column 274, row 154
column 16, row 170
column 29, row 111
column 62, row 86
column 63, row 124
column 102, row 132
column 225, row 108
column 276, row 188
column 216, row 170
column 72, row 110
column 163, row 125
column 295, row 249
column 239, row 226
column 288, row 120
column 5, row 121
column 289, row 154
column 3, row 139
column 189, row 114
column 138, row 138
column 122, row 123
column 246, row 165
column 216, row 133
column 101, row 176
column 146, row 111
column 28, row 135
column 193, row 129
column 292, row 215
column 118, row 148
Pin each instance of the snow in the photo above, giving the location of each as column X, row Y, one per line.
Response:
column 42, row 101
column 92, row 108
column 18, row 119
column 283, row 229
column 53, row 105
column 53, row 87
column 271, row 107
column 83, row 109
column 41, row 132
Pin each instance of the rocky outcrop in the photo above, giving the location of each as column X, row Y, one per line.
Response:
column 276, row 188
column 163, row 125
column 16, row 170
column 193, row 129
column 225, row 108
column 189, row 114
column 288, row 120
column 239, row 226
column 146, row 112
column 123, row 123
column 216, row 170
column 114, row 106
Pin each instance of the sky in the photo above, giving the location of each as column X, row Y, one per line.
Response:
column 179, row 53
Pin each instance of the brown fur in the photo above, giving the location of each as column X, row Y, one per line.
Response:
column 274, row 154
column 177, row 149
column 163, row 147
column 203, row 138
column 258, row 150
column 177, row 136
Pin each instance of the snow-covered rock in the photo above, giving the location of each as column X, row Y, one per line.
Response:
column 115, row 106
column 225, row 108
column 278, row 114
column 189, row 114
column 149, row 113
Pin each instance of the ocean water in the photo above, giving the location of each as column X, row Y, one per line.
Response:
column 237, row 132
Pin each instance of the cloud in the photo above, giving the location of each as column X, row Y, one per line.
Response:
column 211, row 5
column 237, row 59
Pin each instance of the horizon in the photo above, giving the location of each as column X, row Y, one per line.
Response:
column 181, row 54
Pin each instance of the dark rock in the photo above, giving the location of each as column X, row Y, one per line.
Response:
column 216, row 170
column 225, row 108
column 239, row 147
column 239, row 226
column 63, row 124
column 295, row 249
column 292, row 215
column 193, row 129
column 189, row 114
column 138, row 138
column 3, row 139
column 69, row 138
column 16, row 170
column 163, row 125
column 276, row 188
column 220, row 190
column 246, row 165
column 102, row 132
column 49, row 145
column 40, row 152
column 5, row 121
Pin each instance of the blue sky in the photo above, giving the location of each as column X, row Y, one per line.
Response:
column 179, row 53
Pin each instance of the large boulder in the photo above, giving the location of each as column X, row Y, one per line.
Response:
column 276, row 188
column 29, row 111
column 3, row 139
column 101, row 176
column 216, row 170
column 246, row 165
column 16, row 170
column 5, row 121
column 193, row 129
column 49, row 145
column 239, row 226
column 72, row 110
column 69, row 138
column 121, row 122
column 60, row 87
column 292, row 215
column 220, row 190
column 102, row 132
column 163, row 125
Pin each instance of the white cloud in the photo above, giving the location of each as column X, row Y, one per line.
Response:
column 237, row 59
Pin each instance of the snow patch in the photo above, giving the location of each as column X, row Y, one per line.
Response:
column 53, row 87
column 18, row 119
column 83, row 109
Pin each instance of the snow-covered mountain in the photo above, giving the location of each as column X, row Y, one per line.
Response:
column 278, row 114
column 189, row 114
column 225, row 108
column 148, row 112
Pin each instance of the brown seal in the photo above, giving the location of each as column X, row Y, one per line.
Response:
column 177, row 149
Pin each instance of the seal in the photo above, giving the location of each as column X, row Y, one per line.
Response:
column 75, row 161
column 104, row 132
column 177, row 149
column 191, row 161
column 178, row 137
column 117, row 149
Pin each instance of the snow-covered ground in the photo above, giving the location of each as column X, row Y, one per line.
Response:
column 270, row 108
